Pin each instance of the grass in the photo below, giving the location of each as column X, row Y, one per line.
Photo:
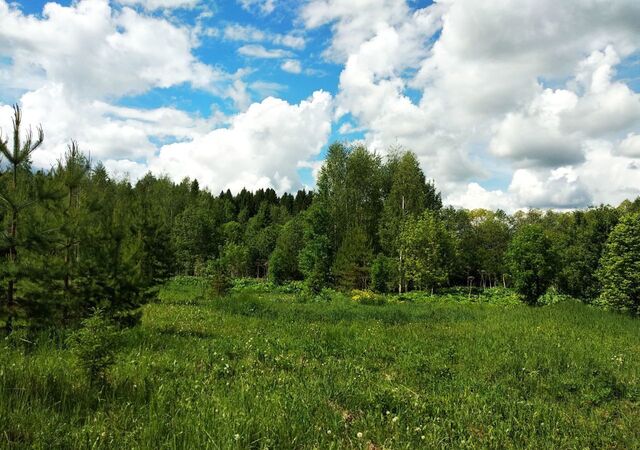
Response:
column 265, row 370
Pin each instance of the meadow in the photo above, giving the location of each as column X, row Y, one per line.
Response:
column 264, row 368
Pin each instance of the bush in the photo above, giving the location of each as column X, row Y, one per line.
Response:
column 367, row 297
column 94, row 346
column 552, row 296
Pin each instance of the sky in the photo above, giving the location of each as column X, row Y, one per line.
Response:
column 508, row 104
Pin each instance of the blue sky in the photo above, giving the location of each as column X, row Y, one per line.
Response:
column 250, row 92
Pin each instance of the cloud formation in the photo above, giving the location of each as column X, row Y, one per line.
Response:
column 527, row 87
column 507, row 104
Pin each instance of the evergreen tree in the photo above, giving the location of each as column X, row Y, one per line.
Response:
column 351, row 268
column 17, row 194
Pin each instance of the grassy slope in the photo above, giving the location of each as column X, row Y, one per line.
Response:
column 261, row 370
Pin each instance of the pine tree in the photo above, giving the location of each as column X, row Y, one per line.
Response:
column 16, row 196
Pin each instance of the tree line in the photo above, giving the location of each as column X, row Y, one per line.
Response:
column 74, row 239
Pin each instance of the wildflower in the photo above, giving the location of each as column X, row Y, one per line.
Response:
column 328, row 431
column 236, row 436
column 359, row 435
column 422, row 437
column 395, row 419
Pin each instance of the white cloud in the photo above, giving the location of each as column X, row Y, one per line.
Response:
column 530, row 142
column 105, row 131
column 291, row 66
column 529, row 86
column 152, row 5
column 560, row 188
column 98, row 52
column 475, row 196
column 630, row 146
column 249, row 33
column 263, row 6
column 352, row 22
column 262, row 147
column 258, row 51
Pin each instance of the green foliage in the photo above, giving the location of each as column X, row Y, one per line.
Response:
column 315, row 257
column 619, row 270
column 283, row 262
column 94, row 346
column 235, row 259
column 352, row 262
column 192, row 237
column 427, row 248
column 383, row 274
column 580, row 239
column 219, row 281
column 532, row 262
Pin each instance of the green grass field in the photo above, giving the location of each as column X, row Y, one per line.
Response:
column 264, row 370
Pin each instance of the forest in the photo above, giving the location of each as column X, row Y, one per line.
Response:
column 74, row 239
column 364, row 313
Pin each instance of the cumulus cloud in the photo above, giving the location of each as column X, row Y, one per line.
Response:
column 470, row 85
column 68, row 55
column 80, row 46
column 630, row 146
column 103, row 130
column 560, row 188
column 262, row 147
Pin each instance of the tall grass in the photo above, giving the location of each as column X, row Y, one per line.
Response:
column 261, row 370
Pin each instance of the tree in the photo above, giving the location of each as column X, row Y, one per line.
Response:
column 236, row 259
column 428, row 249
column 619, row 270
column 351, row 267
column 72, row 174
column 490, row 235
column 315, row 257
column 332, row 193
column 409, row 195
column 16, row 197
column 532, row 262
column 580, row 241
column 110, row 276
column 193, row 238
column 383, row 274
column 364, row 194
column 283, row 262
